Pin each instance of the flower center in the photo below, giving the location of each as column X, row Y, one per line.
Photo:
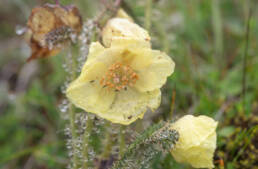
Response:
column 119, row 76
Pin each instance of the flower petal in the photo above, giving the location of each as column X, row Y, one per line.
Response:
column 89, row 96
column 197, row 141
column 95, row 49
column 198, row 156
column 153, row 68
column 92, row 71
column 130, row 43
column 194, row 130
column 129, row 105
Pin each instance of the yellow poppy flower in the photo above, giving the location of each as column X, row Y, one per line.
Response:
column 119, row 83
column 123, row 28
column 197, row 141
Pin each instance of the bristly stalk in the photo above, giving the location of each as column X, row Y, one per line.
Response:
column 71, row 110
column 121, row 141
column 245, row 58
column 108, row 141
column 157, row 138
column 74, row 135
column 85, row 148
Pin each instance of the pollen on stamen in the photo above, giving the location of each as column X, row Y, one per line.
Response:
column 118, row 77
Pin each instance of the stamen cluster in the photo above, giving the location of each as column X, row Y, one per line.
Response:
column 119, row 76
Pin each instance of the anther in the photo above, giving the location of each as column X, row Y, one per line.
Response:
column 118, row 77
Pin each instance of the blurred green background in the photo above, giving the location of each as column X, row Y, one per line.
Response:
column 205, row 38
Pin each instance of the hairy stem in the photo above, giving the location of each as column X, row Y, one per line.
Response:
column 89, row 125
column 74, row 135
column 108, row 142
column 121, row 141
column 72, row 60
column 155, row 138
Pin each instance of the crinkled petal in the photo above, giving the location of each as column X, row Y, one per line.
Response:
column 122, row 28
column 90, row 96
column 109, row 56
column 153, row 68
column 197, row 141
column 129, row 105
column 198, row 156
column 92, row 71
column 95, row 49
column 194, row 130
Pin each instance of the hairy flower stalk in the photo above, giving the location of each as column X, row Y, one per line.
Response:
column 122, row 144
column 70, row 65
column 86, row 136
column 157, row 138
column 81, row 124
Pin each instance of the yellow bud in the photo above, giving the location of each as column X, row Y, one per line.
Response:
column 120, row 28
column 197, row 141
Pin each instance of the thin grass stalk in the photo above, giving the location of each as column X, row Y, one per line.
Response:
column 245, row 60
column 217, row 30
column 148, row 12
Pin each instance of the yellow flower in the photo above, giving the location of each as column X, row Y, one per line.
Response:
column 119, row 83
column 122, row 28
column 197, row 141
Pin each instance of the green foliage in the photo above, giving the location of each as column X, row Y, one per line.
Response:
column 154, row 140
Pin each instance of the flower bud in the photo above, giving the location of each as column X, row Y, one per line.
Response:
column 121, row 28
column 197, row 141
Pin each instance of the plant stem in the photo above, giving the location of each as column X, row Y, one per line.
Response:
column 134, row 154
column 74, row 135
column 245, row 58
column 121, row 141
column 172, row 107
column 71, row 107
column 89, row 125
column 217, row 30
column 148, row 11
column 108, row 142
